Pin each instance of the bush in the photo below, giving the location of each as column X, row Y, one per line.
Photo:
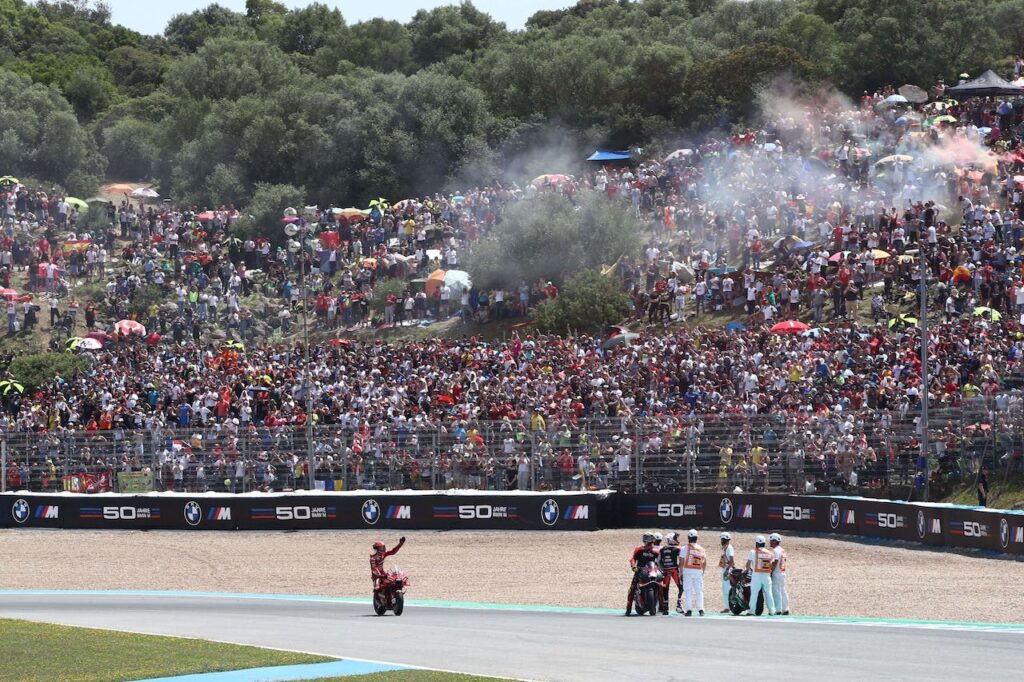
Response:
column 35, row 370
column 263, row 217
column 589, row 302
column 383, row 289
column 144, row 297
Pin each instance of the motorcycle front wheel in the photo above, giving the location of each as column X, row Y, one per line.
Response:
column 651, row 596
column 736, row 603
column 379, row 605
column 399, row 603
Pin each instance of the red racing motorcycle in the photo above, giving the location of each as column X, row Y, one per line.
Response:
column 390, row 593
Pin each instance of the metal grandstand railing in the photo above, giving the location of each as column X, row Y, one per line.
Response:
column 871, row 451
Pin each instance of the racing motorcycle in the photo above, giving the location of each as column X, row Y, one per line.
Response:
column 739, row 592
column 647, row 593
column 390, row 593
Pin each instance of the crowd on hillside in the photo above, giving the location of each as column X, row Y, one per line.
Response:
column 823, row 213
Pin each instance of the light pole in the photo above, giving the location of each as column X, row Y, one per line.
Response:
column 924, row 365
column 297, row 247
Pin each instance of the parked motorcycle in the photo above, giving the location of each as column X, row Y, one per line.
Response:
column 739, row 592
column 390, row 593
column 647, row 592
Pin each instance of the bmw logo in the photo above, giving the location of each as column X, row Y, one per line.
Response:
column 725, row 510
column 833, row 515
column 1004, row 533
column 920, row 525
column 193, row 513
column 371, row 511
column 20, row 511
column 549, row 512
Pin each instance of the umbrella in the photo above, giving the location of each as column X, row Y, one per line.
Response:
column 789, row 327
column 678, row 154
column 914, row 94
column 120, row 188
column 77, row 203
column 290, row 219
column 903, row 319
column 340, row 342
column 878, row 254
column 95, row 200
column 87, row 343
column 145, row 193
column 893, row 100
column 205, row 216
column 838, row 256
column 434, row 281
column 9, row 294
column 618, row 336
column 235, row 345
column 9, row 180
column 541, row 180
column 735, row 327
column 380, row 203
column 945, row 118
column 99, row 335
column 130, row 327
column 10, row 385
column 813, row 333
column 894, row 158
column 993, row 315
column 351, row 213
column 458, row 279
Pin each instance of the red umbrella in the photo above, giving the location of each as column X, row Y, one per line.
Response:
column 340, row 342
column 9, row 294
column 205, row 216
column 789, row 327
column 98, row 335
column 838, row 256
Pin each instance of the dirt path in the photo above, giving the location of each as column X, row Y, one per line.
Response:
column 826, row 577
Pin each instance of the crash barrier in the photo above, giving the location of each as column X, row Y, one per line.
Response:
column 932, row 524
column 944, row 525
column 299, row 511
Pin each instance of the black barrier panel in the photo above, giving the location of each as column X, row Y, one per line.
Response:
column 781, row 512
column 293, row 512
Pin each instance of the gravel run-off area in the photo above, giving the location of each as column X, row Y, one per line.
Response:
column 826, row 577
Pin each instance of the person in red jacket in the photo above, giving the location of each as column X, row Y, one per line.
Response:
column 642, row 555
column 380, row 553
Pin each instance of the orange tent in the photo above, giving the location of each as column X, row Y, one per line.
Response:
column 120, row 188
column 434, row 281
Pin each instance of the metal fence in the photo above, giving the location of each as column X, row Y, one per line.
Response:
column 859, row 452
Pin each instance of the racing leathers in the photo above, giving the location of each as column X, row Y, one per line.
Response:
column 668, row 560
column 377, row 572
column 642, row 555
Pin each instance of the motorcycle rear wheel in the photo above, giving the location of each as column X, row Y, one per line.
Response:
column 399, row 604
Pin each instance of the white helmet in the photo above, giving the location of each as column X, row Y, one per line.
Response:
column 692, row 534
column 775, row 537
column 672, row 538
column 657, row 538
column 759, row 540
column 725, row 536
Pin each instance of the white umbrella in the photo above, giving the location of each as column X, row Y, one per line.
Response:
column 457, row 279
column 679, row 154
column 145, row 193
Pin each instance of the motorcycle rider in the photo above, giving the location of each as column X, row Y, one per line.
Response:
column 760, row 559
column 380, row 553
column 726, row 562
column 694, row 563
column 779, row 593
column 642, row 555
column 668, row 560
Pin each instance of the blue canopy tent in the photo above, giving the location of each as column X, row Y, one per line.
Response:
column 605, row 155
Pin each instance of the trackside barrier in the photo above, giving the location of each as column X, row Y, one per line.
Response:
column 933, row 524
column 330, row 511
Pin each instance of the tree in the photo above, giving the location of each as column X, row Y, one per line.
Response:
column 90, row 91
column 40, row 136
column 131, row 148
column 588, row 303
column 262, row 218
column 308, row 29
column 550, row 239
column 377, row 44
column 34, row 371
column 450, row 30
column 136, row 72
column 189, row 32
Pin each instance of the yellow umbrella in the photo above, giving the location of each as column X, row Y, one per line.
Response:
column 878, row 254
column 77, row 203
column 993, row 315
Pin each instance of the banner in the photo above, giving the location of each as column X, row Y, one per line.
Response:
column 87, row 483
column 134, row 482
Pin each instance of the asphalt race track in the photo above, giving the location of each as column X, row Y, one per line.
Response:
column 551, row 645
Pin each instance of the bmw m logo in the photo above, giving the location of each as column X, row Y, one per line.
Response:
column 20, row 511
column 833, row 515
column 371, row 511
column 725, row 510
column 920, row 525
column 1004, row 533
column 549, row 512
column 193, row 513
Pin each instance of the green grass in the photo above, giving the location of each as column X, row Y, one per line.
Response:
column 38, row 652
column 1002, row 494
column 411, row 676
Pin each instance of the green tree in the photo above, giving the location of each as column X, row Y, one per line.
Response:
column 34, row 371
column 450, row 30
column 377, row 44
column 550, row 239
column 588, row 302
column 308, row 29
column 130, row 146
column 136, row 72
column 262, row 218
column 190, row 31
